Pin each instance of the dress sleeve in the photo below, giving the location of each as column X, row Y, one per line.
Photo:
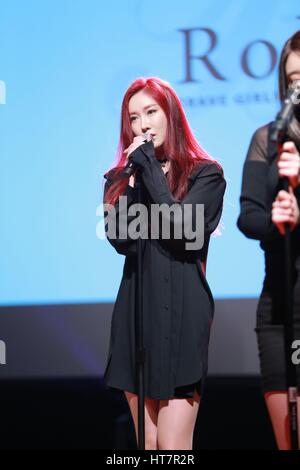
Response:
column 257, row 194
column 113, row 221
column 208, row 190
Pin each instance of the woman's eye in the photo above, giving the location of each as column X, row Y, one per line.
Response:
column 151, row 111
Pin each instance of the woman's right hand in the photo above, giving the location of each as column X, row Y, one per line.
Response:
column 137, row 142
column 285, row 210
column 289, row 163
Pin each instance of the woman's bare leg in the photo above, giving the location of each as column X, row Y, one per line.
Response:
column 176, row 423
column 151, row 413
column 278, row 409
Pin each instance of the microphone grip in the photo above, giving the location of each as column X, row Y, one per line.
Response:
column 130, row 168
column 285, row 184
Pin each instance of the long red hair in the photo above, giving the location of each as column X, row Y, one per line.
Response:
column 180, row 146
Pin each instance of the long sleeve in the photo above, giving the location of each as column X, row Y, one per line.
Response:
column 124, row 246
column 208, row 189
column 260, row 185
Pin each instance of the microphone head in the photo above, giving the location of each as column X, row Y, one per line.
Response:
column 294, row 89
column 147, row 136
column 295, row 84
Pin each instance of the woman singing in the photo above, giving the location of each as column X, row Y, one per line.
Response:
column 265, row 209
column 177, row 302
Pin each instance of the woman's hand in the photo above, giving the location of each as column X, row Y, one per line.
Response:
column 289, row 163
column 131, row 180
column 285, row 210
column 137, row 141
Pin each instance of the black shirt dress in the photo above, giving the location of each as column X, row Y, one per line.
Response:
column 178, row 306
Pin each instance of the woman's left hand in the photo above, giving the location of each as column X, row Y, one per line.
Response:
column 289, row 163
column 285, row 210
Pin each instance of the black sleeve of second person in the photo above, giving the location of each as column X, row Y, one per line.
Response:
column 255, row 219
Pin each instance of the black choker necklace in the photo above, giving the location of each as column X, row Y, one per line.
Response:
column 163, row 163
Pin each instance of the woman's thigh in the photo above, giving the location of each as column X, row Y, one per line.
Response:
column 176, row 422
column 151, row 415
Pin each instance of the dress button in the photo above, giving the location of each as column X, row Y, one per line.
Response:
column 166, row 278
column 167, row 307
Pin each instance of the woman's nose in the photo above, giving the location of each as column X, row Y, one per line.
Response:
column 144, row 125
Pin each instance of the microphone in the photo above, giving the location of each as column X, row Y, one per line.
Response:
column 285, row 115
column 131, row 166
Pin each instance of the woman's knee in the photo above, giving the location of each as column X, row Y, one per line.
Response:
column 151, row 441
column 175, row 442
